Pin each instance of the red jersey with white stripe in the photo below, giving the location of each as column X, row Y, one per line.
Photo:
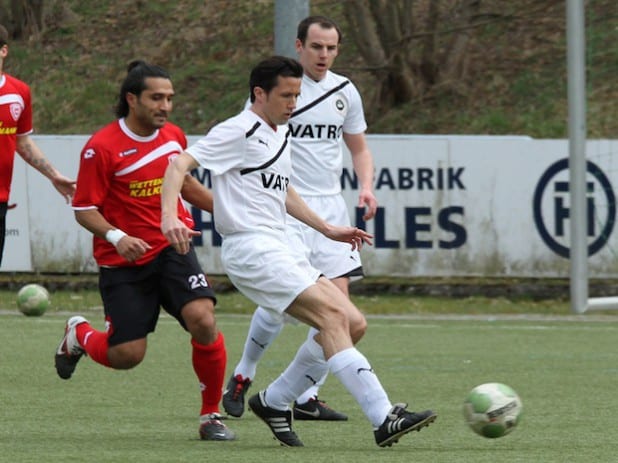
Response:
column 15, row 119
column 121, row 174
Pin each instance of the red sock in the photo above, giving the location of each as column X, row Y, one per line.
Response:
column 94, row 343
column 209, row 365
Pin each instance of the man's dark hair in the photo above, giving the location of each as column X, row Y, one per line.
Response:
column 4, row 36
column 266, row 73
column 323, row 21
column 135, row 83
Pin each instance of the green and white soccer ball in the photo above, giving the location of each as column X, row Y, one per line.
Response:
column 33, row 300
column 492, row 409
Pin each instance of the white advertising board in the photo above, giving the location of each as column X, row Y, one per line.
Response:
column 449, row 206
column 16, row 254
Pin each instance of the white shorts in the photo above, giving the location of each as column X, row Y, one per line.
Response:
column 333, row 258
column 265, row 268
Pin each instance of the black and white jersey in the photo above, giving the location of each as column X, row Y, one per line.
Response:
column 250, row 169
column 325, row 110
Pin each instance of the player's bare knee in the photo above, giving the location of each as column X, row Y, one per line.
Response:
column 337, row 318
column 358, row 328
column 204, row 333
column 199, row 316
column 329, row 321
column 123, row 357
column 203, row 327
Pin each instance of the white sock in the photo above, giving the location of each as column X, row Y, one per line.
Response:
column 264, row 328
column 307, row 367
column 355, row 373
column 312, row 392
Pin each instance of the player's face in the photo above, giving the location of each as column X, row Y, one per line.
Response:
column 278, row 105
column 319, row 51
column 150, row 110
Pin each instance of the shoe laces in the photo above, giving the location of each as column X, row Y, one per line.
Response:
column 240, row 386
column 319, row 402
column 214, row 418
column 397, row 411
column 74, row 351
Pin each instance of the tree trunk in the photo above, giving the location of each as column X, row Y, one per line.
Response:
column 412, row 46
column 27, row 18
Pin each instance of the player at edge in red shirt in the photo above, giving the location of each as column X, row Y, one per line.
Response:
column 15, row 130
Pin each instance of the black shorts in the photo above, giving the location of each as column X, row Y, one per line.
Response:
column 133, row 296
column 3, row 209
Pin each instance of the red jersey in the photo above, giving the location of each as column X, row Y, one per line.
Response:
column 120, row 174
column 15, row 119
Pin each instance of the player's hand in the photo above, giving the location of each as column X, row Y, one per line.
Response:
column 355, row 236
column 178, row 234
column 132, row 248
column 368, row 201
column 65, row 186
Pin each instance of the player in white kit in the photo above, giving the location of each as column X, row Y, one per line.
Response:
column 329, row 112
column 249, row 159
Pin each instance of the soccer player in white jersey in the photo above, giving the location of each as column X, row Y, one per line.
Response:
column 249, row 160
column 329, row 112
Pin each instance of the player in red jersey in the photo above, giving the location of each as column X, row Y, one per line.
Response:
column 15, row 130
column 118, row 199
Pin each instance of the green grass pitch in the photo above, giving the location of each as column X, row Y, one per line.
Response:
column 564, row 368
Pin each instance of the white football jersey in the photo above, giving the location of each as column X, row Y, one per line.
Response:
column 250, row 168
column 324, row 111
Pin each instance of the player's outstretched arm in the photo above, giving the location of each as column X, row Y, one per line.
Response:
column 176, row 232
column 197, row 194
column 298, row 209
column 33, row 155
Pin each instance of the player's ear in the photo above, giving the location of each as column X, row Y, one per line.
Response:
column 259, row 93
column 131, row 99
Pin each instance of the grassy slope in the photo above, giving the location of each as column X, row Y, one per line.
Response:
column 515, row 81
